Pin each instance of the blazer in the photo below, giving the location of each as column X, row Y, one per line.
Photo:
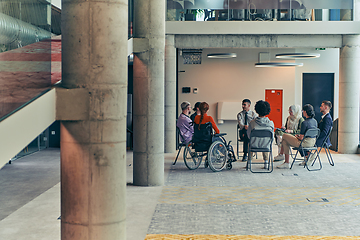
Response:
column 324, row 125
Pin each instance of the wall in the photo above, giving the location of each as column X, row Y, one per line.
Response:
column 328, row 62
column 237, row 78
column 20, row 128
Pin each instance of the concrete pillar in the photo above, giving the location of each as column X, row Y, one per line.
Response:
column 149, row 31
column 93, row 150
column 349, row 86
column 170, row 94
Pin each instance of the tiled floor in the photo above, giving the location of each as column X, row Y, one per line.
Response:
column 201, row 204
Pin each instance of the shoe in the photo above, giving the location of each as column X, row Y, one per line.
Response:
column 279, row 157
column 284, row 165
column 245, row 158
column 302, row 163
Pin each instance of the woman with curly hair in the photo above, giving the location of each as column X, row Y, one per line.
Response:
column 204, row 118
column 261, row 122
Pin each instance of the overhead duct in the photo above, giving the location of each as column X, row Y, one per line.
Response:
column 17, row 33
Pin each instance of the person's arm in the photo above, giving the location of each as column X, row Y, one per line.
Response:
column 327, row 123
column 240, row 118
column 299, row 136
column 217, row 131
column 248, row 132
column 297, row 131
column 189, row 126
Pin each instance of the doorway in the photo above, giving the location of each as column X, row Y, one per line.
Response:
column 318, row 87
column 275, row 98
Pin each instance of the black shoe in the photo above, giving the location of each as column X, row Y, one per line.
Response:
column 245, row 158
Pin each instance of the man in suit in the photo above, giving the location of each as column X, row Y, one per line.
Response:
column 325, row 123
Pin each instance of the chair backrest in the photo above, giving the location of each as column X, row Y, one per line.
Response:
column 179, row 138
column 202, row 137
column 324, row 143
column 311, row 133
column 261, row 140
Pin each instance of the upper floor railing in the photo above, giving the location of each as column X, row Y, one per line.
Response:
column 259, row 10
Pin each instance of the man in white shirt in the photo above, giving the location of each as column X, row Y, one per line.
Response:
column 244, row 118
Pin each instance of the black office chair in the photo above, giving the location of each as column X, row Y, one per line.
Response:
column 325, row 146
column 180, row 143
column 310, row 133
column 261, row 141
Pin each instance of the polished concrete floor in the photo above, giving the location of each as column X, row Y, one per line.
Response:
column 199, row 204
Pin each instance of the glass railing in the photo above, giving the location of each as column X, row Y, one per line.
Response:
column 259, row 10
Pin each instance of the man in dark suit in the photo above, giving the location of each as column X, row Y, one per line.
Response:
column 325, row 123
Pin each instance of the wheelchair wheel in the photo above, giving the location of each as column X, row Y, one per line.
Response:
column 217, row 156
column 191, row 158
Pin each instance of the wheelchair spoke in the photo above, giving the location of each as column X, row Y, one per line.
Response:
column 192, row 159
column 217, row 156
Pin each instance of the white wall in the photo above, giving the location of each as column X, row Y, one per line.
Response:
column 20, row 128
column 232, row 80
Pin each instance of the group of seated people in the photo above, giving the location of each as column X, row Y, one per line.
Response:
column 287, row 136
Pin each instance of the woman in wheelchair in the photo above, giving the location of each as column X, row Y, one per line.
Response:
column 294, row 141
column 218, row 153
column 204, row 118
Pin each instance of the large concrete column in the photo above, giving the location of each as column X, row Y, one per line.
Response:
column 170, row 94
column 349, row 86
column 93, row 149
column 149, row 31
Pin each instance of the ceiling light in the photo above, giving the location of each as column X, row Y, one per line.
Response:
column 278, row 64
column 221, row 55
column 297, row 55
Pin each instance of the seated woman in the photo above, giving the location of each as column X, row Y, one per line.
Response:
column 292, row 126
column 261, row 122
column 204, row 118
column 289, row 140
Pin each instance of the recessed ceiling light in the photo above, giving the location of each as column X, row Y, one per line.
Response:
column 221, row 55
column 278, row 64
column 297, row 55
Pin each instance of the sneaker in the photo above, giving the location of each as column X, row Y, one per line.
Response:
column 302, row 163
column 245, row 158
column 285, row 165
column 279, row 157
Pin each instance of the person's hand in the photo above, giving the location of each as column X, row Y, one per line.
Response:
column 283, row 127
column 246, row 127
column 288, row 131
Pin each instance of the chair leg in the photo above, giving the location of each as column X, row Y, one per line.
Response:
column 294, row 159
column 329, row 157
column 317, row 157
column 177, row 155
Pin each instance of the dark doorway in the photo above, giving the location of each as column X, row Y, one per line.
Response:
column 318, row 87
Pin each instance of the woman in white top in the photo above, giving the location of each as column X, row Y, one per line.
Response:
column 292, row 126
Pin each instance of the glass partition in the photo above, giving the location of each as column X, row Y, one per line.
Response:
column 259, row 10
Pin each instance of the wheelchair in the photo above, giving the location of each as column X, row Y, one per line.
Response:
column 217, row 152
